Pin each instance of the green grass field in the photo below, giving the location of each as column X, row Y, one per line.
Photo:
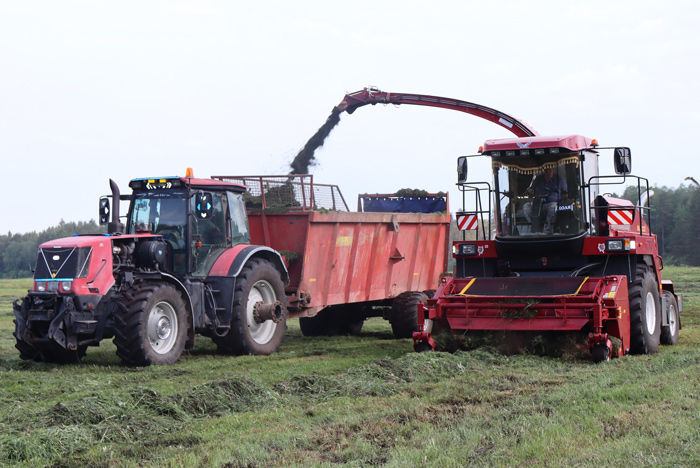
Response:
column 367, row 400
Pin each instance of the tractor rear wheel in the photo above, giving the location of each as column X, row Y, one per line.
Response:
column 404, row 313
column 258, row 281
column 151, row 325
column 645, row 312
column 669, row 333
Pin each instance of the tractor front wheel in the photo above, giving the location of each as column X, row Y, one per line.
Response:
column 151, row 325
column 645, row 313
column 258, row 282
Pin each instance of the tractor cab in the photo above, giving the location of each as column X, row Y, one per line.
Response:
column 197, row 218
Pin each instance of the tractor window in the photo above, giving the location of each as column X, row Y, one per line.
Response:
column 161, row 213
column 239, row 219
column 211, row 235
column 540, row 201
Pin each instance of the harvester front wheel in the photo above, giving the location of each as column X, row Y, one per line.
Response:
column 645, row 313
column 258, row 281
column 151, row 325
column 600, row 353
column 669, row 333
column 404, row 313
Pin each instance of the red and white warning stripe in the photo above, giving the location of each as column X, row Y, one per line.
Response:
column 466, row 222
column 620, row 217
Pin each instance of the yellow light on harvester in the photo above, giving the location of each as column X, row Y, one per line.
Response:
column 189, row 172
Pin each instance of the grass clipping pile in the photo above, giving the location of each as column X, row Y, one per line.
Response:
column 570, row 346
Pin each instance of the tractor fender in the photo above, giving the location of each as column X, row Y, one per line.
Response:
column 231, row 262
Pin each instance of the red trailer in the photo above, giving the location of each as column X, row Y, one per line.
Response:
column 346, row 266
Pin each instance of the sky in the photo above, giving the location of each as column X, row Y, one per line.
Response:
column 92, row 90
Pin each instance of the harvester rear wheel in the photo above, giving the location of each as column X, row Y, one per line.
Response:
column 645, row 312
column 669, row 333
column 404, row 313
column 258, row 281
column 151, row 325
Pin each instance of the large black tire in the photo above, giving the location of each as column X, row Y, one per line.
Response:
column 347, row 319
column 669, row 333
column 645, row 312
column 50, row 353
column 44, row 352
column 314, row 326
column 404, row 313
column 258, row 281
column 150, row 326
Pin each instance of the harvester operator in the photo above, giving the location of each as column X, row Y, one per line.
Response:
column 551, row 189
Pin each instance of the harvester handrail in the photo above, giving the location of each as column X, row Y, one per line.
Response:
column 644, row 211
column 477, row 188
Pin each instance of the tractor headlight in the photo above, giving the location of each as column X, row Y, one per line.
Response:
column 41, row 286
column 464, row 249
column 619, row 245
column 66, row 285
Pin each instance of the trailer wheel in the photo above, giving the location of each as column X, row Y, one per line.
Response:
column 151, row 325
column 404, row 313
column 314, row 326
column 645, row 313
column 345, row 319
column 669, row 333
column 258, row 281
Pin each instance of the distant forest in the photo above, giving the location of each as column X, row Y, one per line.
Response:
column 672, row 220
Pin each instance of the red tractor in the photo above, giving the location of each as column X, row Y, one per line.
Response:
column 182, row 264
column 552, row 252
column 548, row 250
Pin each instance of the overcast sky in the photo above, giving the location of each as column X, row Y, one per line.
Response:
column 92, row 90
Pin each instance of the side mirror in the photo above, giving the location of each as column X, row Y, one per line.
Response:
column 105, row 212
column 203, row 205
column 623, row 161
column 461, row 169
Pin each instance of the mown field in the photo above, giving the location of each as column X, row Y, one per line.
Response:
column 367, row 400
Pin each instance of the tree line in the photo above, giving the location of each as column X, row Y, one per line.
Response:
column 18, row 252
column 672, row 220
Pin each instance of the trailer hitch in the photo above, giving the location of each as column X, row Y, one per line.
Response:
column 263, row 312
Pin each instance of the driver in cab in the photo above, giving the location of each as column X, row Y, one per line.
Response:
column 551, row 189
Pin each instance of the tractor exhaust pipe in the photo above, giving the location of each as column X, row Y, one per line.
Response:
column 263, row 312
column 115, row 226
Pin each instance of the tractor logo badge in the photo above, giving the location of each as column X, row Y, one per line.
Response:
column 480, row 249
column 524, row 145
column 545, row 262
column 601, row 248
